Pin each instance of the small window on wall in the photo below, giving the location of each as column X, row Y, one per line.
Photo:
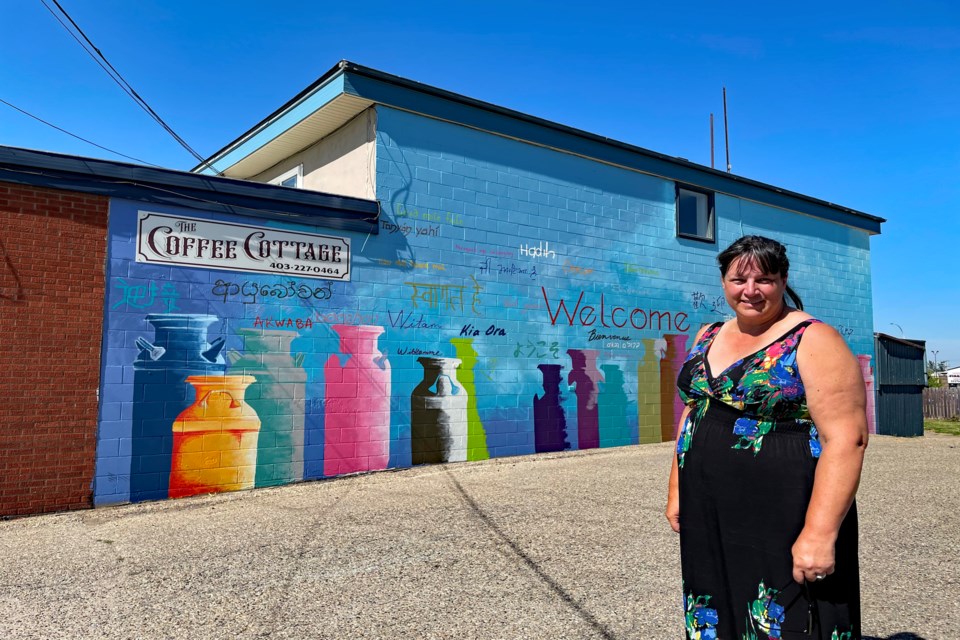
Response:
column 695, row 217
column 290, row 178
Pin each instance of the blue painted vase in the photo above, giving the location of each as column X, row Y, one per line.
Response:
column 160, row 393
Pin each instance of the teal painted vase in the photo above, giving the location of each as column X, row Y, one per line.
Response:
column 612, row 408
column 278, row 397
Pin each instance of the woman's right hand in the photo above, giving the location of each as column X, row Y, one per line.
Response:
column 673, row 496
column 673, row 488
column 673, row 509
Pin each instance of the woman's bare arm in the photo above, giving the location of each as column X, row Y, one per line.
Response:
column 837, row 402
column 673, row 486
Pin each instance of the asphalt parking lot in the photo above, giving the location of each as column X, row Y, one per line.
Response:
column 567, row 545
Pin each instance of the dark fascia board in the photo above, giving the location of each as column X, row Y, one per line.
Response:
column 184, row 189
column 424, row 99
column 316, row 84
column 916, row 344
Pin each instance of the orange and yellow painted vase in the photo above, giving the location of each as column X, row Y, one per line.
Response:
column 215, row 439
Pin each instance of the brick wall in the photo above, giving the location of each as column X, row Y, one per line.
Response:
column 52, row 247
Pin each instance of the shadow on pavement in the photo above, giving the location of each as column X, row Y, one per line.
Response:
column 587, row 617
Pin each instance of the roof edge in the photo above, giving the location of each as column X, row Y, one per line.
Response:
column 357, row 79
column 375, row 74
column 181, row 188
column 916, row 344
column 312, row 88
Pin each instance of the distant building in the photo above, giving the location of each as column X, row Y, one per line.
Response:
column 951, row 377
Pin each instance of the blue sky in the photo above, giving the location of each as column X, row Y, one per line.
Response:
column 856, row 103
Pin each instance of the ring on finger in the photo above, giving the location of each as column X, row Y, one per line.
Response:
column 819, row 577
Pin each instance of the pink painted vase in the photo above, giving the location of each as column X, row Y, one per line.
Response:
column 671, row 406
column 587, row 378
column 868, row 380
column 357, row 404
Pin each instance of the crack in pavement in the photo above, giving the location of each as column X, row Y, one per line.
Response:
column 306, row 541
column 531, row 564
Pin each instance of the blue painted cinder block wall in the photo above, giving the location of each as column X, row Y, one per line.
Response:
column 516, row 299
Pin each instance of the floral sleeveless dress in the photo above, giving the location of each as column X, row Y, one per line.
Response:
column 747, row 455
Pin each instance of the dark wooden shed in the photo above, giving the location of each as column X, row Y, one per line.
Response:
column 901, row 379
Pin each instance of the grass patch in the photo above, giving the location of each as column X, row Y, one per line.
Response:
column 949, row 427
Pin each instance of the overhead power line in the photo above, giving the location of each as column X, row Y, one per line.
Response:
column 116, row 76
column 99, row 146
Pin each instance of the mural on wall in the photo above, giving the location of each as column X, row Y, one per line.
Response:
column 648, row 390
column 584, row 377
column 476, row 435
column 278, row 396
column 241, row 353
column 215, row 438
column 549, row 419
column 613, row 409
column 670, row 403
column 438, row 413
column 161, row 393
column 357, row 392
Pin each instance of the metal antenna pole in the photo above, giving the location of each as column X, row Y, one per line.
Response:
column 726, row 132
column 712, row 166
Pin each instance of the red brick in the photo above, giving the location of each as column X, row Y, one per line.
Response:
column 49, row 419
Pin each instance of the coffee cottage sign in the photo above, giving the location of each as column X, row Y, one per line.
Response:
column 194, row 242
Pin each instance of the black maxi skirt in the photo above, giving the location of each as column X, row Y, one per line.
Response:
column 740, row 514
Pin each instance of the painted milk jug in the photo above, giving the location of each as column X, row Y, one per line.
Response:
column 648, row 392
column 585, row 375
column 671, row 406
column 356, row 433
column 549, row 420
column 438, row 413
column 215, row 438
column 476, row 433
column 613, row 408
column 161, row 392
column 279, row 398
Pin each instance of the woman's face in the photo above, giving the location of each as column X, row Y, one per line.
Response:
column 751, row 293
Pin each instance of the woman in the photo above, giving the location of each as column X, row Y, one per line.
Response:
column 768, row 460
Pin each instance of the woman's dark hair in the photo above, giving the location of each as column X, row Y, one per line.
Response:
column 769, row 255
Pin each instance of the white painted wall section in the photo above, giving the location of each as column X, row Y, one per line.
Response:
column 343, row 163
